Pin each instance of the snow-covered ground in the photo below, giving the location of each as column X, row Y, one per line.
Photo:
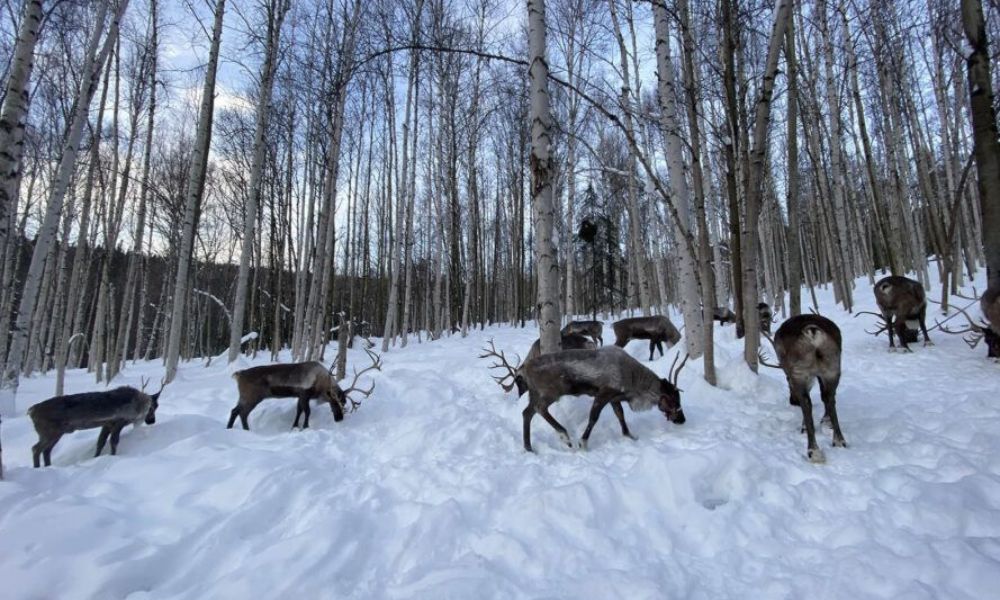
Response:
column 425, row 492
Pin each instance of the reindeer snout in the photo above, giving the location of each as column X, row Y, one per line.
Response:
column 677, row 417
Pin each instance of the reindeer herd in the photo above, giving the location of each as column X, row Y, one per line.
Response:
column 808, row 349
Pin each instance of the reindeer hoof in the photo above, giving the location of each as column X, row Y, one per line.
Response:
column 582, row 444
column 839, row 443
column 632, row 437
column 816, row 456
column 928, row 343
column 892, row 349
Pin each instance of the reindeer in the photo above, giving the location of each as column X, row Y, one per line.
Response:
column 593, row 329
column 305, row 381
column 903, row 304
column 988, row 329
column 809, row 348
column 723, row 315
column 569, row 341
column 766, row 317
column 110, row 410
column 609, row 375
column 656, row 329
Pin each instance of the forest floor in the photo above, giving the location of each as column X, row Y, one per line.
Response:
column 426, row 492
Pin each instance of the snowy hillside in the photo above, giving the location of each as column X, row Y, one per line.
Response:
column 425, row 492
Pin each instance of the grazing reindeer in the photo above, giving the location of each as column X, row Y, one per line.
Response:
column 901, row 300
column 110, row 410
column 304, row 380
column 609, row 375
column 569, row 341
column 809, row 348
column 764, row 314
column 656, row 329
column 593, row 329
column 988, row 329
column 723, row 315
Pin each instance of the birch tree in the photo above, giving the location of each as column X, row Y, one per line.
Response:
column 275, row 14
column 543, row 210
column 193, row 196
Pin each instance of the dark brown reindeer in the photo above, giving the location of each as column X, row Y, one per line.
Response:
column 609, row 375
column 657, row 329
column 903, row 305
column 723, row 315
column 568, row 341
column 305, row 381
column 988, row 329
column 764, row 315
column 593, row 329
column 809, row 348
column 110, row 410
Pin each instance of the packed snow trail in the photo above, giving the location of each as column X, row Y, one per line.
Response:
column 425, row 492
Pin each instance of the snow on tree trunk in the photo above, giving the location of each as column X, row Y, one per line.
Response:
column 193, row 197
column 546, row 260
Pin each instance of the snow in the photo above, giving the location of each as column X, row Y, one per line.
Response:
column 425, row 491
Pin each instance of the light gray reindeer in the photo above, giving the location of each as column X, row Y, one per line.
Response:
column 809, row 348
column 610, row 375
column 657, row 329
column 303, row 380
column 568, row 341
column 593, row 329
column 110, row 410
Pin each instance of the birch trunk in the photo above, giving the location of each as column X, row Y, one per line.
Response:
column 276, row 10
column 755, row 190
column 193, row 197
column 93, row 64
column 984, row 135
column 546, row 257
column 13, row 113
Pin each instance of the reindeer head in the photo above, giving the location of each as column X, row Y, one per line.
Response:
column 339, row 397
column 154, row 400
column 670, row 395
column 511, row 374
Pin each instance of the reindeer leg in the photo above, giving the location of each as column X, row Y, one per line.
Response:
column 244, row 413
column 595, row 413
column 115, row 432
column 659, row 346
column 923, row 327
column 47, row 448
column 890, row 329
column 900, row 325
column 304, row 407
column 828, row 391
column 528, row 413
column 616, row 406
column 101, row 439
column 563, row 434
column 232, row 416
column 652, row 346
column 36, row 453
column 812, row 449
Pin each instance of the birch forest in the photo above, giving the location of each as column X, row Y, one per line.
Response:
column 195, row 179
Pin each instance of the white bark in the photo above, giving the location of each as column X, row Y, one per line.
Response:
column 195, row 189
column 546, row 259
column 276, row 15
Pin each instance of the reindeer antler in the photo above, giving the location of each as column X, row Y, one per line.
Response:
column 491, row 352
column 762, row 356
column 145, row 381
column 377, row 366
column 673, row 375
column 877, row 332
column 976, row 329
